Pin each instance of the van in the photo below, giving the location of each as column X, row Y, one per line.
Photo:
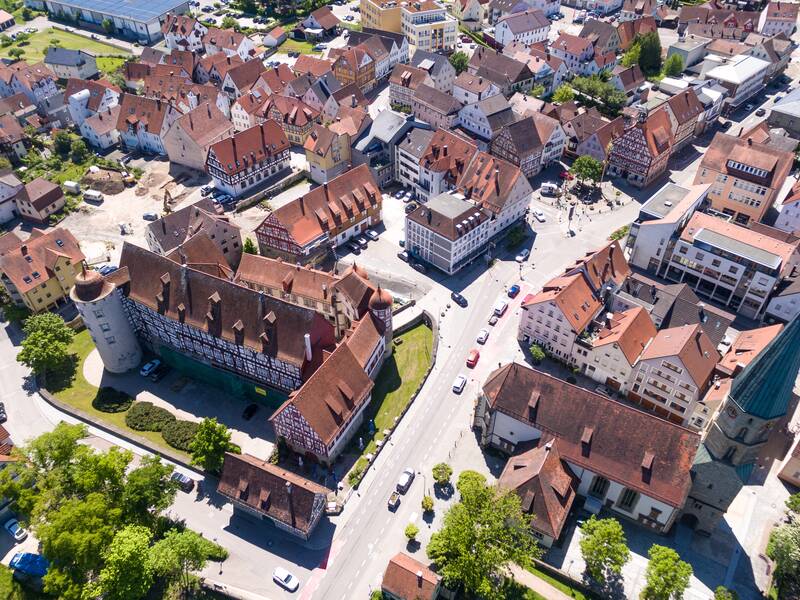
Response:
column 73, row 187
column 92, row 196
column 549, row 189
column 500, row 308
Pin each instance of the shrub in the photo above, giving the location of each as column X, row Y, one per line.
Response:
column 442, row 473
column 110, row 400
column 214, row 551
column 145, row 416
column 357, row 472
column 427, row 504
column 412, row 531
column 179, row 434
column 537, row 354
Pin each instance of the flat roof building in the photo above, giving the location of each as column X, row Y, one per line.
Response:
column 132, row 19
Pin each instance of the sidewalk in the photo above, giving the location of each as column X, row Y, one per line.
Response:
column 540, row 586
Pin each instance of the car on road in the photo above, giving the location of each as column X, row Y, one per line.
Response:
column 150, row 216
column 371, row 234
column 458, row 299
column 761, row 112
column 472, row 358
column 483, row 335
column 16, row 530
column 493, row 320
column 349, row 18
column 394, row 500
column 567, row 175
column 185, row 483
column 500, row 307
column 318, row 48
column 403, row 256
column 538, row 215
column 285, row 579
column 523, row 256
column 405, row 480
column 399, row 194
column 420, row 267
column 159, row 373
column 249, row 411
column 150, row 366
column 361, row 241
column 725, row 125
column 513, row 291
column 603, row 391
column 206, row 190
column 411, row 207
column 459, row 383
column 353, row 247
column 549, row 189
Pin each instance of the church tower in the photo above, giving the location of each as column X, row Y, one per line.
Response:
column 380, row 305
column 758, row 398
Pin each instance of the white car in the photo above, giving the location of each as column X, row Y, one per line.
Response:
column 149, row 367
column 538, row 215
column 371, row 234
column 483, row 335
column 523, row 256
column 405, row 481
column 603, row 390
column 285, row 579
column 459, row 384
column 16, row 530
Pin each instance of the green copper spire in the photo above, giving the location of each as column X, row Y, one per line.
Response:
column 764, row 387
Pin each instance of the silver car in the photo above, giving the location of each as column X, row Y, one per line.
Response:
column 285, row 579
column 16, row 530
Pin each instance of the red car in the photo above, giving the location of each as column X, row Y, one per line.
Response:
column 567, row 175
column 472, row 358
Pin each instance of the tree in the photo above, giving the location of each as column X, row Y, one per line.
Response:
column 723, row 593
column 5, row 41
column 631, row 56
column 442, row 473
column 673, row 66
column 537, row 354
column 537, row 91
column 46, row 344
column 667, row 575
column 650, row 53
column 127, row 573
column 249, row 246
column 79, row 151
column 587, row 168
column 482, row 534
column 108, row 26
column 229, row 23
column 149, row 490
column 460, row 61
column 412, row 531
column 5, row 163
column 603, row 547
column 27, row 13
column 16, row 53
column 178, row 555
column 784, row 549
column 564, row 93
column 793, row 503
column 209, row 445
column 427, row 504
column 62, row 142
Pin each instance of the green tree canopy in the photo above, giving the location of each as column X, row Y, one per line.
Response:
column 16, row 53
column 5, row 163
column 793, row 503
column 784, row 549
column 631, row 56
column 723, row 593
column 603, row 547
column 149, row 490
column 229, row 23
column 537, row 91
column 45, row 347
column 587, row 168
column 177, row 555
column 80, row 151
column 249, row 246
column 650, row 53
column 460, row 61
column 673, row 66
column 62, row 142
column 564, row 93
column 442, row 472
column 482, row 534
column 127, row 573
column 209, row 445
column 411, row 532
column 667, row 575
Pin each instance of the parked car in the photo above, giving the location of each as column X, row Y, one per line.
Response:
column 411, row 207
column 513, row 291
column 500, row 308
column 459, row 383
column 361, row 241
column 523, row 256
column 403, row 256
column 538, row 215
column 493, row 320
column 405, row 480
column 15, row 530
column 285, row 579
column 206, row 190
column 549, row 189
column 150, row 216
column 458, row 299
column 3, row 415
column 399, row 194
column 185, row 483
column 603, row 390
column 420, row 267
column 483, row 335
column 353, row 247
column 249, row 411
column 394, row 500
column 749, row 107
column 725, row 125
column 761, row 112
column 149, row 367
column 159, row 373
column 371, row 234
column 472, row 358
column 107, row 269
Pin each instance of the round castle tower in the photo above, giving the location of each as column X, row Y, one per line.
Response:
column 100, row 306
column 380, row 305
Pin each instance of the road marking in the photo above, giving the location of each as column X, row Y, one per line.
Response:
column 363, row 562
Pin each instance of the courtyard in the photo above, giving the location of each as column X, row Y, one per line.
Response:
column 109, row 58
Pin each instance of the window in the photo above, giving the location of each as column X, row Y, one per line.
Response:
column 627, row 499
column 111, row 339
column 99, row 314
column 599, row 487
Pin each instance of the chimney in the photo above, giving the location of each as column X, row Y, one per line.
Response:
column 291, row 501
column 23, row 249
column 497, row 180
column 444, row 150
column 419, row 579
column 702, row 313
column 307, row 340
column 749, row 141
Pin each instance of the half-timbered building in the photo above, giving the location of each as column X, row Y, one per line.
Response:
column 641, row 153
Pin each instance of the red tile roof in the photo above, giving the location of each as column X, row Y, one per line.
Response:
column 407, row 578
column 631, row 330
column 43, row 249
column 689, row 343
column 573, row 296
column 746, row 347
column 249, row 147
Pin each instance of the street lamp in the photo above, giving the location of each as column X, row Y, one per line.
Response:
column 220, row 560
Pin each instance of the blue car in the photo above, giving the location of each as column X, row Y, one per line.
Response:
column 34, row 565
column 513, row 291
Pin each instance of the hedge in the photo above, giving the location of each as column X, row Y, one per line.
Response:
column 110, row 400
column 179, row 434
column 145, row 416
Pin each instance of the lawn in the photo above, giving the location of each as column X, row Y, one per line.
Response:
column 512, row 590
column 73, row 389
column 570, row 591
column 398, row 379
column 298, row 46
column 37, row 44
column 109, row 64
column 11, row 590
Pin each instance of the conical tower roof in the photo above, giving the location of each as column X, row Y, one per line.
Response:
column 764, row 387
